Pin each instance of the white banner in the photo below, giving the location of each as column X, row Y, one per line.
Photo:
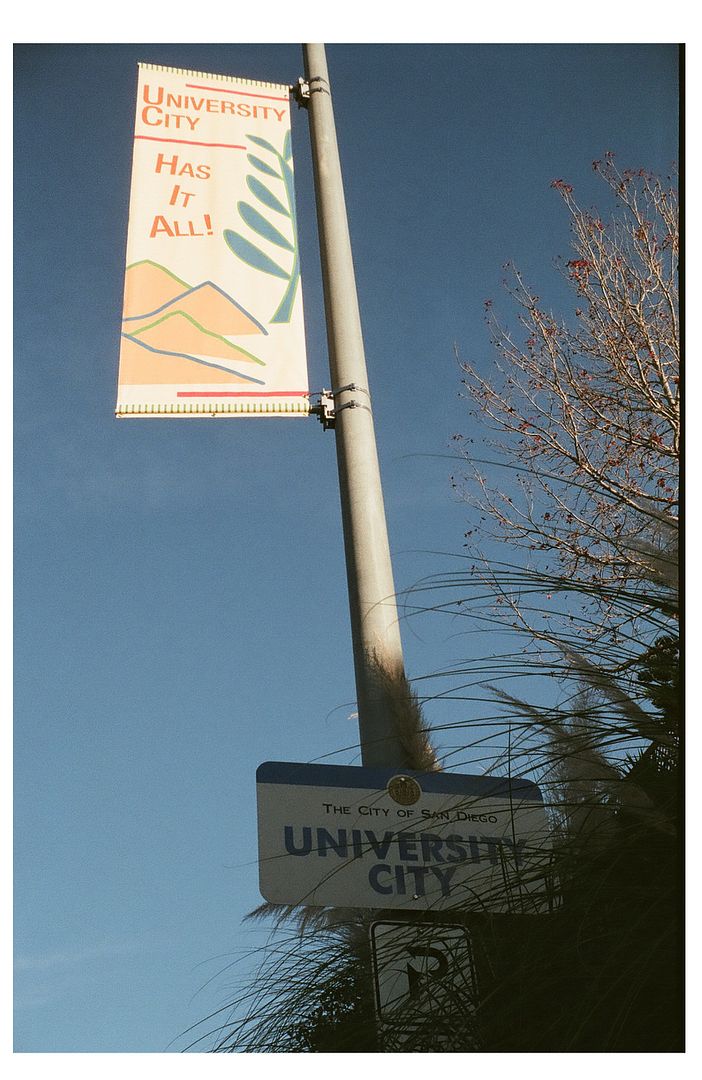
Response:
column 212, row 320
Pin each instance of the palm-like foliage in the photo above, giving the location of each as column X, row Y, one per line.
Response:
column 278, row 167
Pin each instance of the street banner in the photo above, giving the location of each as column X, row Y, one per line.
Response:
column 212, row 323
column 349, row 836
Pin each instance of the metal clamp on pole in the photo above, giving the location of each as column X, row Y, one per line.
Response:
column 351, row 386
column 353, row 404
column 318, row 89
column 301, row 90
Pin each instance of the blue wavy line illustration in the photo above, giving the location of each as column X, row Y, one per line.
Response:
column 174, row 299
column 195, row 359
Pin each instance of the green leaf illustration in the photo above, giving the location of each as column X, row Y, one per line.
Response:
column 290, row 184
column 287, row 147
column 265, row 196
column 262, row 167
column 262, row 142
column 284, row 312
column 252, row 255
column 263, row 227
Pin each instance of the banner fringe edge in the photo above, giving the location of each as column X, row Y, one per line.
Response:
column 212, row 75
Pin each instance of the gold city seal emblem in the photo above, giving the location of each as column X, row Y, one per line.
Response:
column 404, row 790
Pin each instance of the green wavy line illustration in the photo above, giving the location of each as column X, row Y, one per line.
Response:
column 210, row 333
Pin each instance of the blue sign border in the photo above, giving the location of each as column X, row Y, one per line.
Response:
column 357, row 776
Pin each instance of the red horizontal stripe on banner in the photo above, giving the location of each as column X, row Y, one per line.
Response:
column 241, row 93
column 190, row 142
column 242, row 393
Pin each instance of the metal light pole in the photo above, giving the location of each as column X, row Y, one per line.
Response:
column 374, row 620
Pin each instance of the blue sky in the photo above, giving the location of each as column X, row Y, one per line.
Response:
column 180, row 597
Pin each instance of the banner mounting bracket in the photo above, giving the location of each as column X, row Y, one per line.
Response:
column 325, row 409
column 301, row 92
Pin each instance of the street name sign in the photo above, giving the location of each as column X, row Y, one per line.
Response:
column 348, row 836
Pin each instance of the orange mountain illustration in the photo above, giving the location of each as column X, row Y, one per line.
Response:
column 151, row 290
column 138, row 364
column 177, row 332
column 148, row 286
